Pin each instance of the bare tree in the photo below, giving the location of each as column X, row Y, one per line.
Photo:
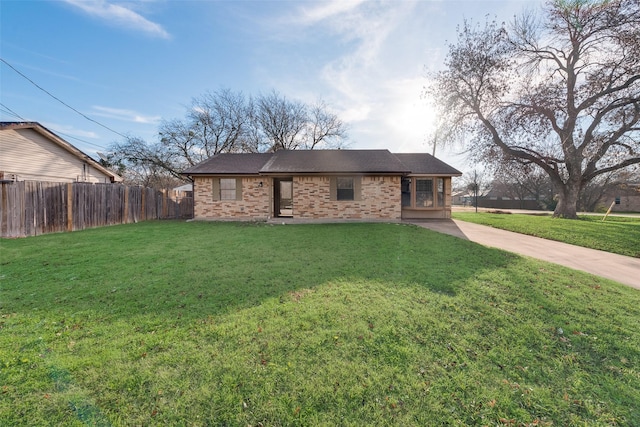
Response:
column 215, row 123
column 596, row 191
column 478, row 184
column 524, row 181
column 324, row 127
column 151, row 165
column 282, row 121
column 291, row 125
column 226, row 122
column 562, row 92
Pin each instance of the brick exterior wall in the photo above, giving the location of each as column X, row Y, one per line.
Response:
column 255, row 203
column 380, row 199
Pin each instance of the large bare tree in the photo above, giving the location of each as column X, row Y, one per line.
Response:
column 324, row 128
column 559, row 90
column 224, row 121
column 151, row 165
column 288, row 124
column 282, row 121
column 216, row 122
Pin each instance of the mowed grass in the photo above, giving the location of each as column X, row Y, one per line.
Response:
column 620, row 235
column 171, row 323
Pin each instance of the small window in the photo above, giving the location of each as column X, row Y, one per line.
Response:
column 227, row 189
column 345, row 187
column 440, row 192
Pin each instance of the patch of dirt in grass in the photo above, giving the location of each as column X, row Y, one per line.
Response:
column 298, row 295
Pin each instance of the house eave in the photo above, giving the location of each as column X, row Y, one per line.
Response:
column 434, row 174
column 330, row 173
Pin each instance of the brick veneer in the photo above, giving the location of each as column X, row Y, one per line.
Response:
column 255, row 203
column 380, row 198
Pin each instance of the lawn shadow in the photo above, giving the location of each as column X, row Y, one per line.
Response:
column 444, row 226
column 194, row 270
column 155, row 306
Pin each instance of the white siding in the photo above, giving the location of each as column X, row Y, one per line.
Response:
column 31, row 156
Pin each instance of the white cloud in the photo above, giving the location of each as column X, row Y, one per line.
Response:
column 370, row 91
column 322, row 11
column 120, row 15
column 124, row 115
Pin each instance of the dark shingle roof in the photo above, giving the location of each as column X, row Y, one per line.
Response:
column 333, row 161
column 231, row 163
column 321, row 162
column 422, row 163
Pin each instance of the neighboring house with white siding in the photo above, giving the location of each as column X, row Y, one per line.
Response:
column 31, row 152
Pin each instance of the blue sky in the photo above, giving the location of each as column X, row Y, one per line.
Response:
column 129, row 64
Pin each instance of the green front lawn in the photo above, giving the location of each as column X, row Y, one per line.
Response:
column 620, row 235
column 171, row 323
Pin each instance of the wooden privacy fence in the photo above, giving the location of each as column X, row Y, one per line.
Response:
column 30, row 208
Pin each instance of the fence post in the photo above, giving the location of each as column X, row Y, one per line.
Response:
column 125, row 217
column 70, row 206
column 165, row 203
column 144, row 192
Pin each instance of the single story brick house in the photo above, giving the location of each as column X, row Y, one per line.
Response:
column 322, row 184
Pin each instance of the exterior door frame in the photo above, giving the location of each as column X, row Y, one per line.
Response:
column 278, row 209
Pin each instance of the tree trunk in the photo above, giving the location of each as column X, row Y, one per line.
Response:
column 567, row 201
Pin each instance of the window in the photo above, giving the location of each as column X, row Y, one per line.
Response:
column 227, row 189
column 344, row 186
column 424, row 193
column 440, row 192
column 420, row 193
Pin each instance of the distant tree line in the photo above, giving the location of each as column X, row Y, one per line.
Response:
column 530, row 183
column 225, row 121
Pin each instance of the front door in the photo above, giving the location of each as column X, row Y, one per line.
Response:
column 283, row 197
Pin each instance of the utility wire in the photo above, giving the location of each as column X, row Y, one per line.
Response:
column 61, row 101
column 81, row 140
column 10, row 111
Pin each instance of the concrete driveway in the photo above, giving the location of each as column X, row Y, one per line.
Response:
column 622, row 269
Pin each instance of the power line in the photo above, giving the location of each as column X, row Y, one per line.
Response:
column 81, row 140
column 9, row 111
column 13, row 113
column 61, row 101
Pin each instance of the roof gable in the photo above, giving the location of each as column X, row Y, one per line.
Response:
column 62, row 143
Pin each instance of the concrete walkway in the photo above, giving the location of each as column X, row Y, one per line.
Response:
column 622, row 269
